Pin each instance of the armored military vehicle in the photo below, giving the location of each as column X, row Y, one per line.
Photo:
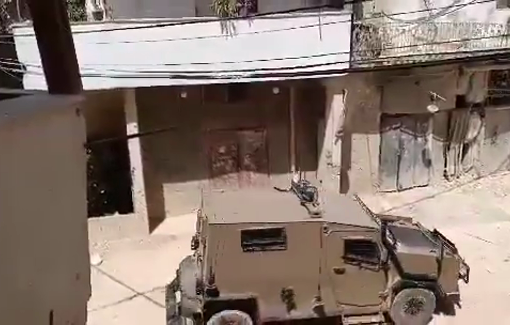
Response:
column 261, row 257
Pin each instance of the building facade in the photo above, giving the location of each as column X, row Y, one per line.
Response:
column 408, row 94
column 443, row 114
column 180, row 106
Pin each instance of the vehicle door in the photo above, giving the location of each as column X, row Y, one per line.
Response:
column 355, row 266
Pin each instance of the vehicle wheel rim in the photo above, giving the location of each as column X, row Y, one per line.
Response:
column 414, row 306
column 230, row 321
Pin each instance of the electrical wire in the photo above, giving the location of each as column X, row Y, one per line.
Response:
column 446, row 10
column 442, row 11
column 289, row 58
column 207, row 20
column 489, row 55
column 198, row 21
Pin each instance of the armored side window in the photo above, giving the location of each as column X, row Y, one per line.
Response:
column 361, row 250
column 263, row 239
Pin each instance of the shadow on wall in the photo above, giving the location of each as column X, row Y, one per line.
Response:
column 223, row 137
column 360, row 114
column 109, row 181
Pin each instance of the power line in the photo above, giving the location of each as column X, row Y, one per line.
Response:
column 214, row 19
column 444, row 10
column 488, row 55
column 199, row 21
column 460, row 40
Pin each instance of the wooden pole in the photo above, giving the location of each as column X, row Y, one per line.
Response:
column 56, row 46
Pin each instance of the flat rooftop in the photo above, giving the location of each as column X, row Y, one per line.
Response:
column 272, row 206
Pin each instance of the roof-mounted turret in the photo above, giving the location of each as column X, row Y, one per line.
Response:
column 307, row 194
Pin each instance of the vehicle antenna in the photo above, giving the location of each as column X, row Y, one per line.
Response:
column 367, row 210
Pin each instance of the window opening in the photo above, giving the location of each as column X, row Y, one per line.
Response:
column 362, row 250
column 263, row 239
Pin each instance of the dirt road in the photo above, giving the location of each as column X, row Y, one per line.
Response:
column 128, row 285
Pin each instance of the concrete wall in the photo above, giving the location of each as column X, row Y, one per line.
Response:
column 409, row 93
column 493, row 144
column 351, row 162
column 106, row 117
column 175, row 165
column 45, row 272
column 495, row 150
column 104, row 114
column 354, row 104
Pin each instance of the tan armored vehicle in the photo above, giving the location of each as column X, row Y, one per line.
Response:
column 263, row 257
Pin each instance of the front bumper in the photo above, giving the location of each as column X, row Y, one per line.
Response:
column 464, row 271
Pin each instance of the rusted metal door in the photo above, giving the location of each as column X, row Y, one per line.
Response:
column 423, row 160
column 253, row 158
column 238, row 158
column 223, row 159
column 405, row 154
column 389, row 153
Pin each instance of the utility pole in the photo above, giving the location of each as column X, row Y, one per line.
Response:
column 56, row 46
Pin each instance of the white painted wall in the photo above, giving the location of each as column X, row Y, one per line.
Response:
column 263, row 48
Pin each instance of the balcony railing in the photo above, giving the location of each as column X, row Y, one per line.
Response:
column 385, row 43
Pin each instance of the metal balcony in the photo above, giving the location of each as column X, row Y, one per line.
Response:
column 384, row 43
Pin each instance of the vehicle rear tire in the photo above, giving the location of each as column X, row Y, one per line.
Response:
column 181, row 321
column 231, row 317
column 413, row 306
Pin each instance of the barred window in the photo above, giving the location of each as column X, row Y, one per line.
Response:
column 263, row 239
column 362, row 250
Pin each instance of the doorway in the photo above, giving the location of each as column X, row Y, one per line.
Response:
column 238, row 158
column 404, row 157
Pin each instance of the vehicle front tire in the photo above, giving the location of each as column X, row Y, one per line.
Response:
column 413, row 306
column 233, row 317
column 172, row 309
